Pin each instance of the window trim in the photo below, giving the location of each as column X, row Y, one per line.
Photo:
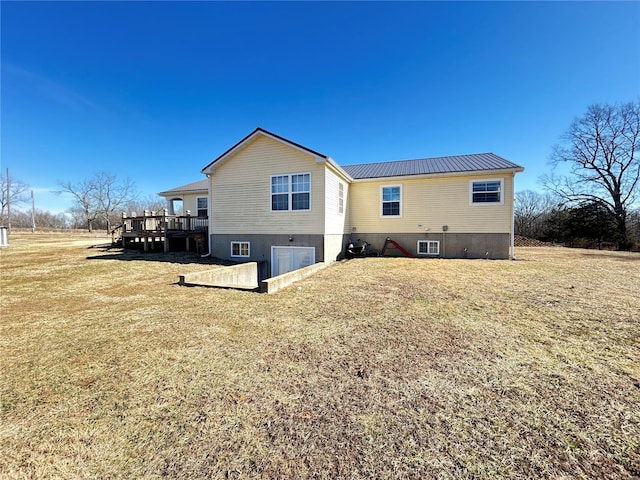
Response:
column 382, row 202
column 289, row 192
column 240, row 243
column 206, row 209
column 483, row 180
column 428, row 242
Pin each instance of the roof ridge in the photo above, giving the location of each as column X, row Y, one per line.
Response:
column 470, row 162
column 422, row 158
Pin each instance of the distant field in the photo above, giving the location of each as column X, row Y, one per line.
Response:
column 373, row 368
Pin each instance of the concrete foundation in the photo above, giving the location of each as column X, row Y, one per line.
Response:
column 332, row 247
column 452, row 245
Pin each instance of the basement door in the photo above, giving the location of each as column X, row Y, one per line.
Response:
column 287, row 259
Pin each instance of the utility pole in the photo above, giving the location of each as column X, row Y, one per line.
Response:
column 33, row 214
column 8, row 202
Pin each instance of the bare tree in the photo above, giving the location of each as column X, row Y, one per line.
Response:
column 100, row 197
column 112, row 195
column 530, row 211
column 13, row 194
column 154, row 203
column 84, row 199
column 600, row 149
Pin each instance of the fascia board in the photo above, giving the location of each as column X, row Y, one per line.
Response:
column 170, row 193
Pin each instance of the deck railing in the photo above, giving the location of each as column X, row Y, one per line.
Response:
column 151, row 221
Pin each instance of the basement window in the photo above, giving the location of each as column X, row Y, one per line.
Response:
column 428, row 247
column 240, row 249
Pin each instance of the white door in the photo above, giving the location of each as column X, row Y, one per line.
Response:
column 287, row 259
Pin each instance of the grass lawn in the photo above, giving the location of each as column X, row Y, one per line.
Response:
column 372, row 368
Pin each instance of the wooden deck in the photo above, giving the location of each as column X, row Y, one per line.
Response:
column 154, row 230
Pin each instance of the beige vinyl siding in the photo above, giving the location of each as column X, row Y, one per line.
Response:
column 335, row 222
column 190, row 202
column 432, row 203
column 241, row 191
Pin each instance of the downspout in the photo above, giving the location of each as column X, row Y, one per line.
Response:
column 444, row 245
column 209, row 203
column 512, row 246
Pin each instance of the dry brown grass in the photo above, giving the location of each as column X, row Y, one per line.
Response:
column 373, row 368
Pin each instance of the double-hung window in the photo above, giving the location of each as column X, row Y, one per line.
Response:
column 487, row 192
column 291, row 192
column 391, row 201
column 201, row 204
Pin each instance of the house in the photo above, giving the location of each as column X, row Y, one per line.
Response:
column 274, row 201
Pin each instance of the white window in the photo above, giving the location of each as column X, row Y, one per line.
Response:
column 341, row 198
column 240, row 249
column 291, row 192
column 201, row 204
column 428, row 247
column 486, row 192
column 391, row 199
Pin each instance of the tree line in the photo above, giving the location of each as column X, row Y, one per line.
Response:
column 546, row 217
column 594, row 199
column 98, row 203
column 600, row 151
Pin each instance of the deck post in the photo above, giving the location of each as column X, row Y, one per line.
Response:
column 124, row 227
column 165, row 227
column 145, row 214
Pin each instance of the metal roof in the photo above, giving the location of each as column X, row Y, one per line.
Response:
column 429, row 166
column 199, row 186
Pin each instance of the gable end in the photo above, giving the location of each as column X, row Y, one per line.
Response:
column 209, row 169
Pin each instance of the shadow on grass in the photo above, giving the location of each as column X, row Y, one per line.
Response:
column 620, row 256
column 111, row 252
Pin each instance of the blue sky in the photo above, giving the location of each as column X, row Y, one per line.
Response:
column 155, row 91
